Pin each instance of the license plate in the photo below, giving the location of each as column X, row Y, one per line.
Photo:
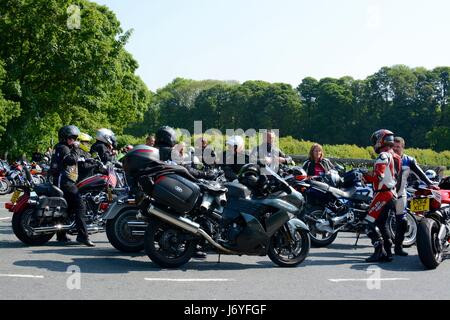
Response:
column 419, row 205
column 15, row 196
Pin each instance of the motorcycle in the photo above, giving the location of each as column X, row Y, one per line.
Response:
column 432, row 209
column 331, row 210
column 42, row 210
column 5, row 184
column 183, row 212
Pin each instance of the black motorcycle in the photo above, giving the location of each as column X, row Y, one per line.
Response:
column 184, row 212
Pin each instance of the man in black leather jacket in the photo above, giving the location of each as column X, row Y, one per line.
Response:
column 64, row 166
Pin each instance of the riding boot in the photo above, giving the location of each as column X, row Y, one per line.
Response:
column 400, row 230
column 61, row 236
column 375, row 236
column 387, row 241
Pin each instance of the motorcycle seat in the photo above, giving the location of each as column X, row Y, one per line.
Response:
column 49, row 190
column 319, row 185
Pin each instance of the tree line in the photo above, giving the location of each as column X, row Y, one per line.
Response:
column 52, row 74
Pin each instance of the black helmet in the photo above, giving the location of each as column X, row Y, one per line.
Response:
column 68, row 131
column 249, row 175
column 165, row 137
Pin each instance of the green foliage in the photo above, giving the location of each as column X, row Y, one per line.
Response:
column 58, row 75
column 126, row 139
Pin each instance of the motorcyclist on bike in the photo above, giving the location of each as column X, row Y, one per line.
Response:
column 409, row 165
column 105, row 145
column 165, row 141
column 268, row 151
column 64, row 166
column 234, row 158
column 87, row 166
column 386, row 167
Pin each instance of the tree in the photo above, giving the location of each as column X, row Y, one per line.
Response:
column 66, row 75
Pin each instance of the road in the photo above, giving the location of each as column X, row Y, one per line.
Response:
column 57, row 271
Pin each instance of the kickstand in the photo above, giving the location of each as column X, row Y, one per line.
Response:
column 357, row 238
column 218, row 261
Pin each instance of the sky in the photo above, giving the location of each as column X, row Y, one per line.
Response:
column 281, row 40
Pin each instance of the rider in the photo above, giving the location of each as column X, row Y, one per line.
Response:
column 387, row 166
column 165, row 141
column 105, row 145
column 86, row 165
column 64, row 165
column 267, row 150
column 409, row 164
column 234, row 158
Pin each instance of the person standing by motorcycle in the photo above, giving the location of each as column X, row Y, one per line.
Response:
column 409, row 165
column 317, row 164
column 64, row 165
column 105, row 145
column 383, row 178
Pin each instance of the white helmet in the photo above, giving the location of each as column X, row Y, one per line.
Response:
column 431, row 174
column 236, row 141
column 106, row 136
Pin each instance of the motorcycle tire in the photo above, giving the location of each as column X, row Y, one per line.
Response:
column 19, row 220
column 411, row 233
column 275, row 252
column 169, row 235
column 119, row 234
column 427, row 243
column 318, row 240
column 5, row 186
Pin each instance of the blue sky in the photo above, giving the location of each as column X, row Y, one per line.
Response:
column 283, row 40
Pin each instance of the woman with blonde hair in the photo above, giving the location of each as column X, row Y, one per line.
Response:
column 317, row 164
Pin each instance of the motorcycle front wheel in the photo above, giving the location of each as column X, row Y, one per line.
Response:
column 167, row 245
column 286, row 251
column 5, row 186
column 429, row 248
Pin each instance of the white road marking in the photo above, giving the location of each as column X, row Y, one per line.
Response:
column 188, row 280
column 370, row 279
column 7, row 218
column 21, row 276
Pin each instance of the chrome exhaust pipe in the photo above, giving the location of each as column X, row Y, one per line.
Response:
column 58, row 227
column 187, row 225
column 206, row 203
column 140, row 233
column 137, row 224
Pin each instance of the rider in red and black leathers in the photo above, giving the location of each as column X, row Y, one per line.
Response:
column 387, row 167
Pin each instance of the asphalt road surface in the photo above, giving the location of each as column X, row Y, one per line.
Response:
column 56, row 271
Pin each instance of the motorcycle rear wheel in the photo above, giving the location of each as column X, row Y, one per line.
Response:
column 25, row 219
column 287, row 253
column 167, row 245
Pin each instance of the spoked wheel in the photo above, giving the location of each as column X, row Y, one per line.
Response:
column 286, row 251
column 5, row 186
column 319, row 238
column 22, row 223
column 168, row 245
column 429, row 247
column 411, row 232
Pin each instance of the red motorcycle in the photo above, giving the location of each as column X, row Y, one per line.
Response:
column 432, row 209
column 42, row 210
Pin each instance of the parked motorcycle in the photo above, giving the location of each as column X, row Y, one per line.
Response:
column 331, row 210
column 432, row 209
column 42, row 210
column 183, row 212
column 5, row 184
